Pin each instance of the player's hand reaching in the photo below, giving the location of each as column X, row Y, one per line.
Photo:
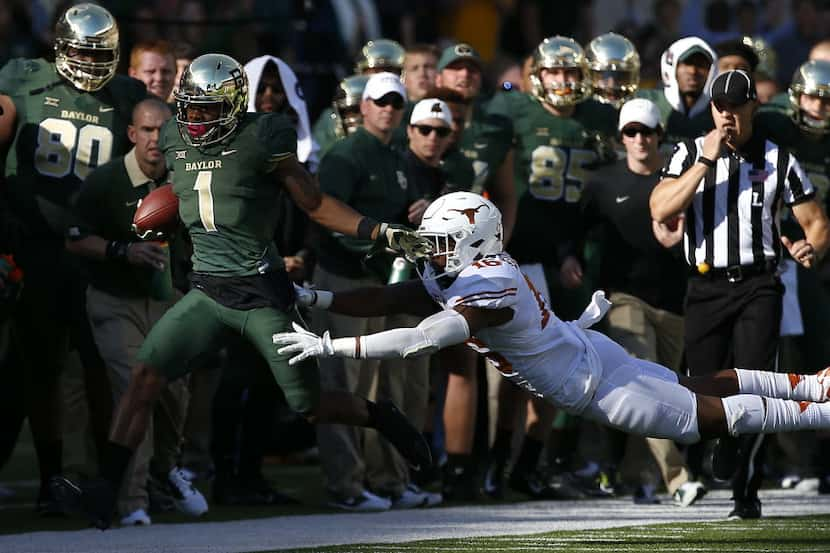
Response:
column 306, row 344
column 403, row 240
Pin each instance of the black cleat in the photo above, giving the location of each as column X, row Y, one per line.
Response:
column 725, row 457
column 395, row 427
column 746, row 509
column 47, row 505
column 94, row 498
column 494, row 479
column 460, row 484
column 533, row 485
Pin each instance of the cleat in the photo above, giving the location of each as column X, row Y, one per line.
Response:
column 745, row 509
column 395, row 427
column 365, row 502
column 494, row 479
column 139, row 517
column 533, row 485
column 460, row 484
column 687, row 494
column 94, row 498
column 186, row 498
column 414, row 497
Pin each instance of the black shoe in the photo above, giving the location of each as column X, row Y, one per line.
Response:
column 725, row 458
column 746, row 509
column 460, row 484
column 395, row 427
column 534, row 485
column 494, row 479
column 94, row 499
column 47, row 505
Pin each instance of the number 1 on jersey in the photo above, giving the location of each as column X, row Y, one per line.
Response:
column 202, row 186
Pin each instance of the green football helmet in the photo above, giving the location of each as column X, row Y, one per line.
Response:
column 565, row 53
column 381, row 55
column 346, row 105
column 813, row 79
column 614, row 66
column 211, row 80
column 86, row 46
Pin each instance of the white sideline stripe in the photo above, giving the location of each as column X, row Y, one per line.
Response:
column 291, row 532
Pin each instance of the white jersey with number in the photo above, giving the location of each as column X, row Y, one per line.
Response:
column 535, row 349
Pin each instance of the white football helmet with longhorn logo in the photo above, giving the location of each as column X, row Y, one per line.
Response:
column 462, row 226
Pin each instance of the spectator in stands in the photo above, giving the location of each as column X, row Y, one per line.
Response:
column 154, row 64
column 419, row 69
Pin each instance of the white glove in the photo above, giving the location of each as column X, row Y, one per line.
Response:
column 306, row 297
column 306, row 343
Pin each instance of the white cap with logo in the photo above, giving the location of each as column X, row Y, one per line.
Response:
column 431, row 108
column 381, row 84
column 639, row 110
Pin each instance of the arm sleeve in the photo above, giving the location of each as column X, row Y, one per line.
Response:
column 443, row 329
column 797, row 185
column 683, row 156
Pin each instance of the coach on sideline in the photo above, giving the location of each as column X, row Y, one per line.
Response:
column 729, row 184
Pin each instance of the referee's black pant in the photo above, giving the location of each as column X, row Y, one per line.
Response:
column 734, row 324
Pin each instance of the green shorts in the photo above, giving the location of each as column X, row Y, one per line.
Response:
column 197, row 324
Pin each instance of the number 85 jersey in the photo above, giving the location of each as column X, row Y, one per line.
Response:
column 535, row 349
column 554, row 157
column 62, row 134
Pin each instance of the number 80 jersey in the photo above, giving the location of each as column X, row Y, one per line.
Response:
column 535, row 349
column 62, row 134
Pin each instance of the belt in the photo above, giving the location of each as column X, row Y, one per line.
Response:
column 735, row 273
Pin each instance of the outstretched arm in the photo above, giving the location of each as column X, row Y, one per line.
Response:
column 374, row 301
column 443, row 329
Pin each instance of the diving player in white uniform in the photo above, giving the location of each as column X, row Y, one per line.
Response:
column 488, row 303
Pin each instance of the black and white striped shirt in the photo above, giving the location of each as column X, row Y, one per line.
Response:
column 734, row 216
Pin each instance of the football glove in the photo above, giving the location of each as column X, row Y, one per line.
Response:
column 403, row 240
column 304, row 343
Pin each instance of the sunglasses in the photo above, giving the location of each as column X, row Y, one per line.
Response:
column 393, row 100
column 425, row 130
column 631, row 132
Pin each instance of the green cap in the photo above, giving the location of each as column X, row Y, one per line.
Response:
column 695, row 50
column 457, row 52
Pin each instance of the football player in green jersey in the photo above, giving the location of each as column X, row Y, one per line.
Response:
column 561, row 134
column 58, row 121
column 227, row 168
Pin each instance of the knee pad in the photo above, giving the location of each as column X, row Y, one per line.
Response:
column 744, row 414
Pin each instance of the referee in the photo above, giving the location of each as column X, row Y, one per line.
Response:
column 730, row 185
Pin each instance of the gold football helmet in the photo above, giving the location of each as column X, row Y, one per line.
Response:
column 767, row 60
column 614, row 66
column 813, row 79
column 565, row 53
column 210, row 80
column 381, row 55
column 346, row 105
column 86, row 46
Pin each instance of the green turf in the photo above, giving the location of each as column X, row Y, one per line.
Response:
column 768, row 535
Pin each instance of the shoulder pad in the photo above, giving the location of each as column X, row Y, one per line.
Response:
column 490, row 283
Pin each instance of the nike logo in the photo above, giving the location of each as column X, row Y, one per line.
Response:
column 104, row 109
column 131, row 204
column 228, row 152
column 621, row 199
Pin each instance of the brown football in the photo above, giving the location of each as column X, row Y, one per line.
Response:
column 158, row 212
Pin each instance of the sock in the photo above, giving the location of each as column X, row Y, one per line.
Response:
column 799, row 387
column 501, row 446
column 528, row 456
column 116, row 459
column 746, row 414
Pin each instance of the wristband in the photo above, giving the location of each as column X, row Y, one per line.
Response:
column 365, row 228
column 117, row 250
column 706, row 161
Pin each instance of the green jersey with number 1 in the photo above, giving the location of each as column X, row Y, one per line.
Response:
column 554, row 158
column 228, row 195
column 62, row 134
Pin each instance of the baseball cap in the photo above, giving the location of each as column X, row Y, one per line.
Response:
column 431, row 108
column 696, row 49
column 381, row 84
column 460, row 51
column 735, row 87
column 639, row 110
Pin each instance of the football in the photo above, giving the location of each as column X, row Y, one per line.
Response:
column 157, row 214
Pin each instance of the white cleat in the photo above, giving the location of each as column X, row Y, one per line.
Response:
column 186, row 497
column 139, row 517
